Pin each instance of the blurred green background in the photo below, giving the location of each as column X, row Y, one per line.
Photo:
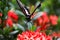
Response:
column 50, row 6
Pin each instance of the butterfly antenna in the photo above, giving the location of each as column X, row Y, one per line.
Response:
column 36, row 8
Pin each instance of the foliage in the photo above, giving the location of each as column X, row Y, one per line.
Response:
column 13, row 20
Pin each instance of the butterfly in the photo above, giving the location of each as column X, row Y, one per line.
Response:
column 25, row 10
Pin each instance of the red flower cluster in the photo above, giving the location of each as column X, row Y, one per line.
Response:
column 9, row 22
column 45, row 20
column 53, row 19
column 11, row 15
column 29, row 35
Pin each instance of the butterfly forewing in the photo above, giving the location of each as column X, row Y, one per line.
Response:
column 23, row 8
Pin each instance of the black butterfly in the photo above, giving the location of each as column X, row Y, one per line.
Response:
column 25, row 10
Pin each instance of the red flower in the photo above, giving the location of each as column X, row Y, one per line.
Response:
column 38, row 29
column 53, row 19
column 9, row 22
column 48, row 37
column 29, row 35
column 12, row 14
column 1, row 14
column 56, row 34
column 43, row 19
column 42, row 22
column 44, row 27
column 39, row 21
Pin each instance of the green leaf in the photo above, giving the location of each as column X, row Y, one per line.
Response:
column 18, row 26
column 48, row 32
column 11, row 5
column 14, row 32
column 59, row 20
column 31, row 26
column 19, row 12
column 6, row 30
column 37, row 15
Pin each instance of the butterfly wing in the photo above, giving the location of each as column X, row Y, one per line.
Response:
column 23, row 8
column 36, row 8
